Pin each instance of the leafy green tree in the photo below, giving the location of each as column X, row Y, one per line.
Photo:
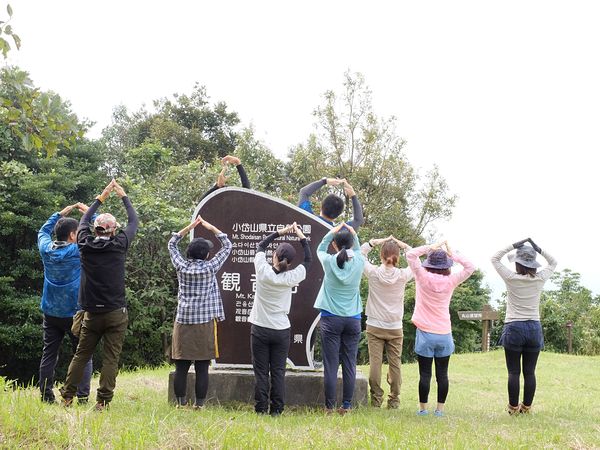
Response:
column 353, row 142
column 33, row 187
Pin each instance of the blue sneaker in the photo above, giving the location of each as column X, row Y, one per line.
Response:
column 438, row 413
column 422, row 412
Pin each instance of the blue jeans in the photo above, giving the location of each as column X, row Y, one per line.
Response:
column 339, row 339
column 55, row 329
column 522, row 336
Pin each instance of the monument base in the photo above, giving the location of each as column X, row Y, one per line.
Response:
column 302, row 388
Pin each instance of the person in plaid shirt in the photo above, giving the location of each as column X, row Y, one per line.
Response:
column 199, row 307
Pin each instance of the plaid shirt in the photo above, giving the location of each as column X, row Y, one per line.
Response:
column 199, row 299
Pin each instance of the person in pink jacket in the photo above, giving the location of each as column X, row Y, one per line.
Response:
column 434, row 285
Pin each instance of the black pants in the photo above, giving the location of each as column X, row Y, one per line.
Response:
column 513, row 364
column 55, row 329
column 441, row 376
column 269, row 354
column 182, row 367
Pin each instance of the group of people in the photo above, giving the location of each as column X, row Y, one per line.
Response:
column 85, row 271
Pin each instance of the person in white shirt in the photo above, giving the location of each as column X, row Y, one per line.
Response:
column 385, row 311
column 522, row 336
column 270, row 332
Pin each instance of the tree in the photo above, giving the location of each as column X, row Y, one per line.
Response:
column 33, row 187
column 353, row 142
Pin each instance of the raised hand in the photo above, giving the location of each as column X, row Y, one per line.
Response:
column 221, row 178
column 348, row 189
column 230, row 159
column 107, row 190
column 288, row 229
column 119, row 189
column 190, row 227
column 534, row 245
column 67, row 210
column 298, row 231
column 520, row 243
column 82, row 207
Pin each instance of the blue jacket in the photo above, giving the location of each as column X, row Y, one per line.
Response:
column 62, row 271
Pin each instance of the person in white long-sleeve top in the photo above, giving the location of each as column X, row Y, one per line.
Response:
column 385, row 311
column 522, row 336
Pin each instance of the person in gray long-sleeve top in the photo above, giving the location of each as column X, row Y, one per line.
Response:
column 522, row 336
column 332, row 205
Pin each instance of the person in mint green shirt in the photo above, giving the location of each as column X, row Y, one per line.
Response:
column 341, row 308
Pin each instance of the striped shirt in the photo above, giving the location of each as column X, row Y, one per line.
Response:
column 199, row 299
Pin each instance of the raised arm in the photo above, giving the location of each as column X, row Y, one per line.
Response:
column 357, row 212
column 217, row 261
column 307, row 191
column 412, row 257
column 324, row 245
column 502, row 270
column 307, row 253
column 132, row 218
column 467, row 270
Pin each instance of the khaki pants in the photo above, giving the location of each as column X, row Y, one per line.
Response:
column 111, row 327
column 391, row 340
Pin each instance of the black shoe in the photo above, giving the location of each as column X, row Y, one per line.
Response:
column 82, row 400
column 49, row 400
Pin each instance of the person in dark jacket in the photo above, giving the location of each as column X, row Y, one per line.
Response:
column 102, row 294
column 62, row 269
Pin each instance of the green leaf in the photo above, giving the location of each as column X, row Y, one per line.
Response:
column 37, row 142
column 9, row 10
column 7, row 29
column 17, row 40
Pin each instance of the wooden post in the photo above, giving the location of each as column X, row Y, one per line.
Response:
column 569, row 336
column 486, row 315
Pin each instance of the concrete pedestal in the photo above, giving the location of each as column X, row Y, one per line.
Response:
column 302, row 388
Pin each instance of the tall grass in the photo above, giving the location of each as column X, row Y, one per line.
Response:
column 566, row 415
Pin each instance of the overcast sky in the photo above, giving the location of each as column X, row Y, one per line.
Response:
column 503, row 96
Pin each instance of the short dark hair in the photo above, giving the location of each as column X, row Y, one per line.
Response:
column 438, row 271
column 522, row 270
column 64, row 227
column 332, row 206
column 197, row 249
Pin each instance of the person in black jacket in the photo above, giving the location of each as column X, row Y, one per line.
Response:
column 102, row 294
column 222, row 178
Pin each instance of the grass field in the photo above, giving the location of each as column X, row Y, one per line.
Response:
column 566, row 414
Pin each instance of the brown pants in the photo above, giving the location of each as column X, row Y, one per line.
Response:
column 391, row 340
column 111, row 327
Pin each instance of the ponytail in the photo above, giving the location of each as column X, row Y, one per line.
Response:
column 283, row 265
column 342, row 257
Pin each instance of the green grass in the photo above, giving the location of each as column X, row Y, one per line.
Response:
column 566, row 415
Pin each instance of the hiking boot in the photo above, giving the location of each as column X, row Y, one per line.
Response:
column 67, row 402
column 524, row 409
column 343, row 411
column 512, row 410
column 101, row 406
column 82, row 400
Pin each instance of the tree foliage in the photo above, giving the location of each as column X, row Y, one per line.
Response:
column 6, row 30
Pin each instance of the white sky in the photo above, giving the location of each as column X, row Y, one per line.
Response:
column 503, row 96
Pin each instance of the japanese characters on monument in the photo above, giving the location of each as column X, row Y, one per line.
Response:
column 247, row 217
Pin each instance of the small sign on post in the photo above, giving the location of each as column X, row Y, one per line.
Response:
column 487, row 315
column 569, row 326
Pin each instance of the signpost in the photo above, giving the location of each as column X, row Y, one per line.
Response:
column 487, row 315
column 247, row 217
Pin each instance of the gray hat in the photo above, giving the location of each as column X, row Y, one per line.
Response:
column 438, row 259
column 525, row 256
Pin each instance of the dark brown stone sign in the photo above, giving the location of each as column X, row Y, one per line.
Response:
column 486, row 315
column 247, row 217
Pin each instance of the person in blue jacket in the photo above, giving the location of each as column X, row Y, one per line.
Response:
column 62, row 270
column 332, row 205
